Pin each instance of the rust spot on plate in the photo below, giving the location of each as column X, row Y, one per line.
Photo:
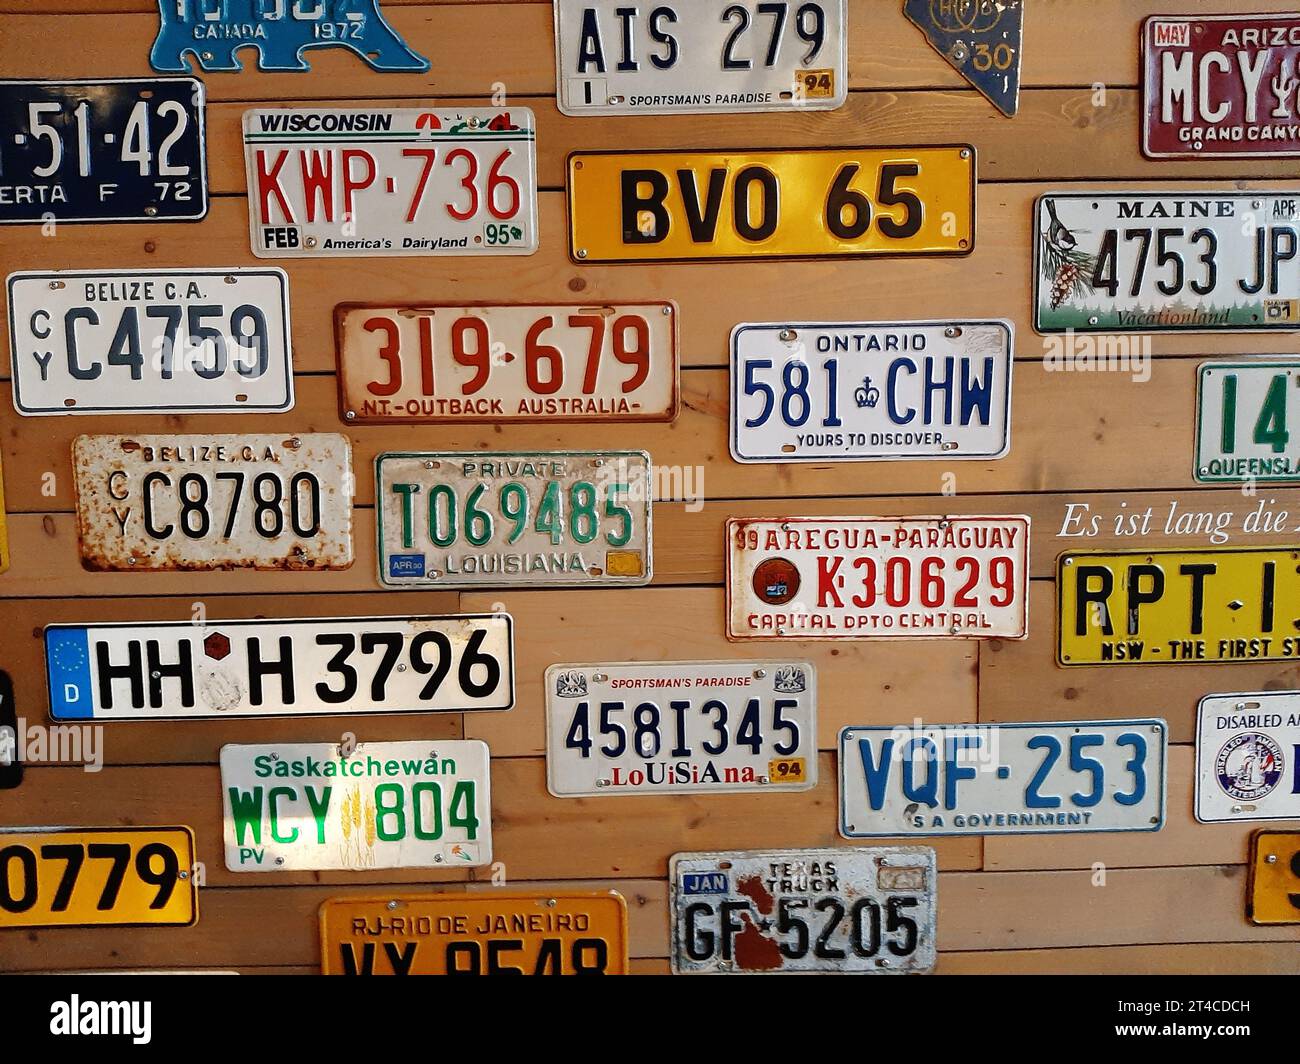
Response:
column 755, row 952
column 752, row 887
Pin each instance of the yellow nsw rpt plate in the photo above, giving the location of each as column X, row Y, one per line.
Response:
column 784, row 203
column 475, row 934
column 1274, row 896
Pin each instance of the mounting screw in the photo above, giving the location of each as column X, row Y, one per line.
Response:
column 57, row 285
column 184, row 875
column 665, row 310
column 789, row 336
column 1271, row 858
column 951, row 332
column 550, row 903
column 582, row 253
column 206, row 56
column 1093, row 320
column 392, row 905
column 230, row 279
column 759, row 673
column 279, row 860
column 350, row 415
column 310, row 242
column 964, row 153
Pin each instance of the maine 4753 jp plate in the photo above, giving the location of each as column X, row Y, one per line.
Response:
column 869, row 910
column 1177, row 261
column 680, row 727
column 699, row 56
column 1245, row 414
column 1002, row 779
column 827, row 392
column 1248, row 757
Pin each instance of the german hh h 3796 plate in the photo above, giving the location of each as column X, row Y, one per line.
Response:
column 391, row 181
column 481, row 519
column 1002, row 779
column 680, row 727
column 1175, row 261
column 158, row 342
column 486, row 933
column 523, row 362
column 292, row 807
column 1248, row 757
column 700, row 56
column 1245, row 412
column 823, row 392
column 214, row 502
column 877, row 577
column 251, row 668
column 869, row 910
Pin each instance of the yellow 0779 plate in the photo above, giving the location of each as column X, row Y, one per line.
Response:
column 1227, row 604
column 1274, row 893
column 785, row 203
column 492, row 933
column 84, row 877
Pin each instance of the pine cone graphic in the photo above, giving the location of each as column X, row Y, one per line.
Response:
column 1063, row 284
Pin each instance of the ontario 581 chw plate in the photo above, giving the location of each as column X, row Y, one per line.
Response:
column 181, row 669
column 491, row 932
column 326, row 183
column 1248, row 757
column 980, row 39
column 482, row 519
column 699, row 57
column 533, row 362
column 1245, row 412
column 869, row 910
column 680, row 727
column 824, row 392
column 270, row 501
column 1174, row 261
column 292, row 807
column 156, row 342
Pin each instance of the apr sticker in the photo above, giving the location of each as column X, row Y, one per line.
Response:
column 981, row 41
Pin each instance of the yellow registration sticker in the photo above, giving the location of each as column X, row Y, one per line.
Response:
column 787, row 770
column 791, row 203
column 1274, row 894
column 82, row 877
column 1227, row 604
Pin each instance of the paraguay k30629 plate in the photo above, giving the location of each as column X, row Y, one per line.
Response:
column 699, row 56
column 491, row 932
column 427, row 363
column 1245, row 412
column 869, row 910
column 790, row 203
column 980, row 39
column 680, row 727
column 1248, row 757
column 157, row 342
column 1188, row 261
column 824, row 392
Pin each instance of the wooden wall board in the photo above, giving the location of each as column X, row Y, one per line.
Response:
column 1186, row 958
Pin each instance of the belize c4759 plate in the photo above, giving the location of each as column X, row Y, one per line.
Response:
column 1248, row 757
column 1245, row 415
column 482, row 519
column 680, row 727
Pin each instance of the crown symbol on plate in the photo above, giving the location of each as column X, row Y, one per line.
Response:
column 866, row 396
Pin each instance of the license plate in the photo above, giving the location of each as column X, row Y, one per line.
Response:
column 1220, row 86
column 11, row 757
column 877, row 577
column 1274, row 893
column 1247, row 750
column 514, row 519
column 135, row 341
column 1193, row 261
column 1244, row 411
column 121, row 150
column 96, row 877
column 291, row 807
column 1002, row 779
column 680, row 728
column 1178, row 607
column 496, row 933
column 267, row 501
column 844, row 393
column 699, row 57
column 792, row 203
column 447, row 364
column 183, row 669
column 391, row 181
column 869, row 910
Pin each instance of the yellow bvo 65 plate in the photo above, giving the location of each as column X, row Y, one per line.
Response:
column 784, row 203
column 1274, row 894
column 495, row 933
column 82, row 877
column 1170, row 606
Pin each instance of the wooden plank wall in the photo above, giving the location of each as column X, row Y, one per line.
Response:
column 1172, row 902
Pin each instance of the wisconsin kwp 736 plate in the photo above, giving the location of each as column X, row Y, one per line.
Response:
column 271, row 501
column 107, row 150
column 292, row 807
column 1244, row 414
column 1002, row 779
column 1178, row 606
column 699, row 57
column 428, row 364
column 680, row 727
column 842, row 393
column 877, row 577
column 672, row 206
column 391, row 181
column 574, row 518
column 1176, row 261
column 157, row 342
column 490, row 932
column 1248, row 757
column 869, row 910
column 251, row 668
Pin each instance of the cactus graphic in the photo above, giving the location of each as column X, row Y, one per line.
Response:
column 1283, row 85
